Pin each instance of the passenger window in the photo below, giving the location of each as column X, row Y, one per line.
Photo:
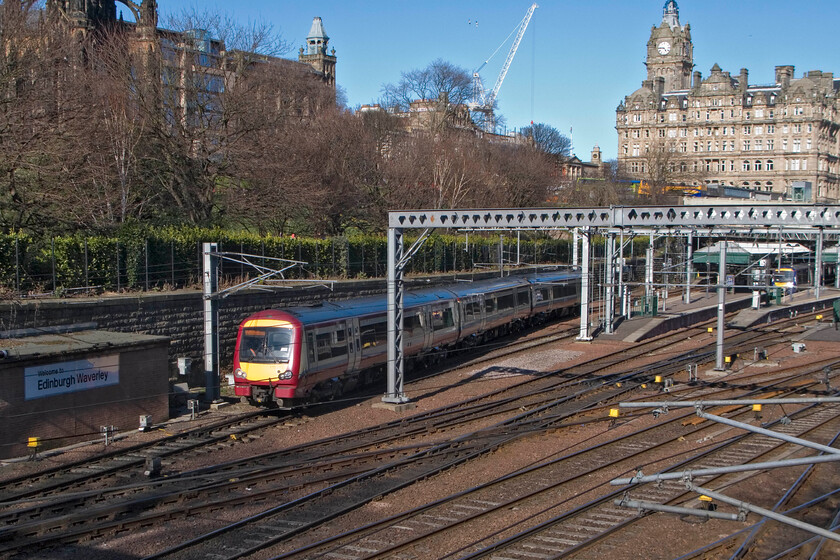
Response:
column 506, row 302
column 523, row 298
column 490, row 305
column 442, row 319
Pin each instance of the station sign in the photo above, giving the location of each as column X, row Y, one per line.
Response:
column 48, row 380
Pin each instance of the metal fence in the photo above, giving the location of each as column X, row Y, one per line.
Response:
column 85, row 265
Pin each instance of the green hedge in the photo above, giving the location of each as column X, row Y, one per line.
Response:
column 140, row 258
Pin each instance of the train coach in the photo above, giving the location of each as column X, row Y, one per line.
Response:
column 285, row 357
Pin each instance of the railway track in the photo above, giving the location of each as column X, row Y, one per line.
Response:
column 543, row 412
column 572, row 533
column 491, row 503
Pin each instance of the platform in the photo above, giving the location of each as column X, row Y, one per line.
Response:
column 704, row 306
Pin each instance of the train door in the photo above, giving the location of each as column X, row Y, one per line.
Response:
column 354, row 353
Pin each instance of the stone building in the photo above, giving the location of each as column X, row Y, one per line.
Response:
column 315, row 53
column 723, row 131
column 169, row 54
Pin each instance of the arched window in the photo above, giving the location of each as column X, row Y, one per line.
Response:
column 745, row 166
column 758, row 165
column 769, row 165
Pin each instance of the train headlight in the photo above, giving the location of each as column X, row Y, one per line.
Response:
column 286, row 375
column 239, row 374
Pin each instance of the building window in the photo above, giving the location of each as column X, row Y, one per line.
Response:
column 672, row 117
column 683, row 132
column 810, row 128
column 785, row 129
column 794, row 165
column 804, row 165
column 745, row 166
column 637, row 118
column 771, row 129
column 758, row 165
column 709, row 146
column 784, row 144
column 731, row 165
column 697, row 146
column 758, row 145
column 635, row 150
column 797, row 145
column 662, row 133
column 634, row 166
column 625, row 149
column 808, row 144
column 723, row 148
column 798, row 110
column 797, row 128
column 759, row 130
column 636, row 133
column 683, row 147
column 747, row 129
column 672, row 133
column 746, row 145
column 759, row 113
column 770, row 144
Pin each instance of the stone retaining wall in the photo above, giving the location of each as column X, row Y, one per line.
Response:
column 179, row 315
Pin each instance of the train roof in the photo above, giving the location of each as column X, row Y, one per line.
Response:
column 370, row 305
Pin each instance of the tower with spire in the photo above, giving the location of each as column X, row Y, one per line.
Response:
column 315, row 52
column 670, row 53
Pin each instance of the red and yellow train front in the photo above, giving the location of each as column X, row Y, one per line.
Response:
column 267, row 358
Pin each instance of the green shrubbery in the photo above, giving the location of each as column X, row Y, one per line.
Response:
column 161, row 258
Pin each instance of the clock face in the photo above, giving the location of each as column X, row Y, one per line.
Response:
column 664, row 47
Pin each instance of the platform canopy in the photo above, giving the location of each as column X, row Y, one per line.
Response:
column 743, row 252
column 831, row 255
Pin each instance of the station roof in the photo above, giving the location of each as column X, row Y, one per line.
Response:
column 739, row 252
column 58, row 344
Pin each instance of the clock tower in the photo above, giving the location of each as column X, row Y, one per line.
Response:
column 669, row 51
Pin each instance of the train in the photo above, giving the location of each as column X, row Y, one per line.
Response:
column 291, row 356
column 792, row 277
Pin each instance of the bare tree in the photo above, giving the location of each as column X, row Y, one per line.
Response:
column 41, row 107
column 548, row 139
column 439, row 80
column 210, row 106
column 664, row 171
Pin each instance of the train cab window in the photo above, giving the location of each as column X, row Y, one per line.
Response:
column 541, row 294
column 442, row 319
column 523, row 298
column 266, row 345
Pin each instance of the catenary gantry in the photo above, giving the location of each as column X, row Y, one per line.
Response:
column 751, row 220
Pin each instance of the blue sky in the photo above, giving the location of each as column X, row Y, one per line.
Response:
column 575, row 63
